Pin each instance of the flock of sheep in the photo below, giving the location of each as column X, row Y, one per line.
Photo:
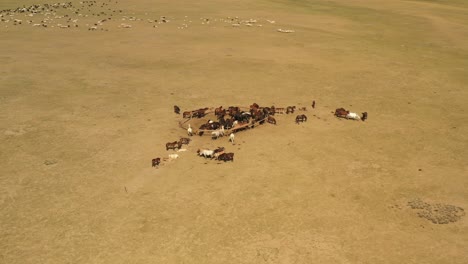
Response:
column 102, row 15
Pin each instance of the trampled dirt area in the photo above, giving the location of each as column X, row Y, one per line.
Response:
column 87, row 91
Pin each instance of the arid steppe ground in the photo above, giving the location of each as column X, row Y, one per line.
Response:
column 83, row 112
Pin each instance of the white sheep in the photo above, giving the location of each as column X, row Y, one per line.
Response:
column 231, row 138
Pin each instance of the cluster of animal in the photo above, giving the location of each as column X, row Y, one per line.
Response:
column 67, row 14
column 61, row 15
column 233, row 119
column 343, row 113
column 217, row 154
column 176, row 145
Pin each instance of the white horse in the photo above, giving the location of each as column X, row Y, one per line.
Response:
column 189, row 130
column 353, row 116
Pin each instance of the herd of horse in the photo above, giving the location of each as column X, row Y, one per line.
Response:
column 233, row 118
column 236, row 119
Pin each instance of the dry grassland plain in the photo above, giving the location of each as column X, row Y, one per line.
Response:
column 83, row 112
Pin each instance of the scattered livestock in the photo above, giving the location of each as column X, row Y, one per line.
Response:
column 301, row 118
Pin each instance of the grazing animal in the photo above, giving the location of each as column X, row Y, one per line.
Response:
column 187, row 114
column 290, row 109
column 216, row 134
column 254, row 106
column 173, row 156
column 217, row 152
column 279, row 110
column 301, row 118
column 364, row 116
column 271, row 120
column 185, row 141
column 341, row 112
column 231, row 138
column 313, row 104
column 173, row 145
column 207, row 153
column 189, row 130
column 176, row 109
column 218, row 110
column 155, row 162
column 353, row 116
column 226, row 157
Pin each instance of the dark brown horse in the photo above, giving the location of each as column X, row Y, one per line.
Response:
column 226, row 157
column 155, row 162
column 301, row 118
column 173, row 145
column 364, row 116
column 176, row 109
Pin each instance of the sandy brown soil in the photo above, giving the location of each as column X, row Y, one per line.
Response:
column 83, row 112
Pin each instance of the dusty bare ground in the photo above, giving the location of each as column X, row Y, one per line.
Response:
column 83, row 112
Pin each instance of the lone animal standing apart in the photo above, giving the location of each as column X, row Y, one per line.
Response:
column 231, row 138
column 155, row 162
column 313, row 104
column 176, row 109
